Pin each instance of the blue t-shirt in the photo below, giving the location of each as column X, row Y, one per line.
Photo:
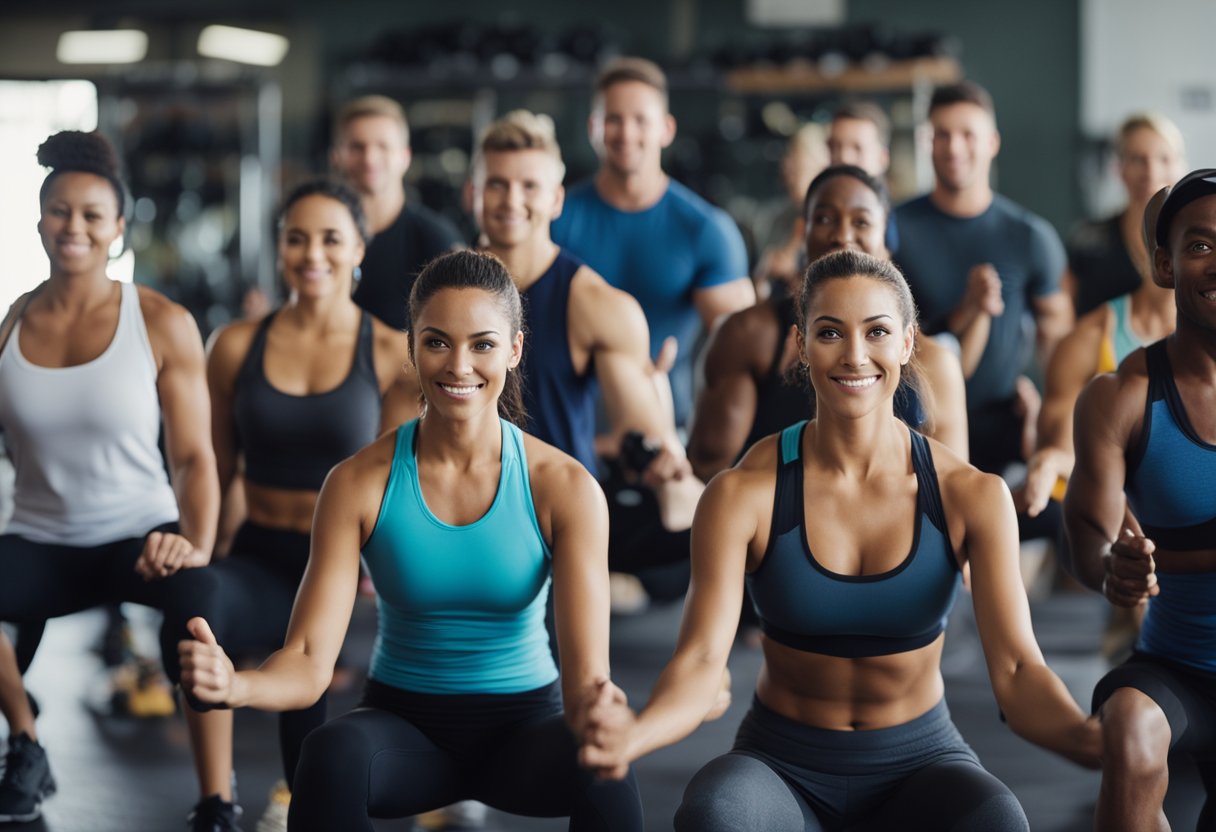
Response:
column 659, row 255
column 937, row 250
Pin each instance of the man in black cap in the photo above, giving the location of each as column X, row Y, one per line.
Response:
column 1146, row 441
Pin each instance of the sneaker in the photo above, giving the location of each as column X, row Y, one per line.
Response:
column 214, row 814
column 467, row 814
column 27, row 780
column 274, row 819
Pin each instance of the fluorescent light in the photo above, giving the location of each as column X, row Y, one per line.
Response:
column 246, row 46
column 108, row 46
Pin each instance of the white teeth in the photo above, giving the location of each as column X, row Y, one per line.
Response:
column 858, row 382
column 461, row 390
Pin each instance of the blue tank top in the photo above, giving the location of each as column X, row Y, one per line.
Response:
column 1171, row 472
column 293, row 441
column 803, row 605
column 560, row 402
column 462, row 608
column 1125, row 341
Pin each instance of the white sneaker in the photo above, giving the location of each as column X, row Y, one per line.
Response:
column 274, row 819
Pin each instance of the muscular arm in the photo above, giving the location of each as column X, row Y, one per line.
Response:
column 726, row 406
column 295, row 676
column 715, row 301
column 948, row 394
column 1036, row 703
column 689, row 688
column 578, row 519
column 1094, row 505
column 182, row 386
column 1073, row 363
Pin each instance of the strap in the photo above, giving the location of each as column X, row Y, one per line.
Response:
column 791, row 443
column 15, row 314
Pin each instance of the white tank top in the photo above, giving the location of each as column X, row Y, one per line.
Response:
column 83, row 440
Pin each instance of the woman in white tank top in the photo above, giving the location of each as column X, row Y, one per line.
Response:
column 89, row 368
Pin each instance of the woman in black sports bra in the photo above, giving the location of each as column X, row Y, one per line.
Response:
column 848, row 729
column 293, row 395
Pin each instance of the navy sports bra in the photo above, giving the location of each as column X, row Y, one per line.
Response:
column 292, row 441
column 1171, row 472
column 803, row 605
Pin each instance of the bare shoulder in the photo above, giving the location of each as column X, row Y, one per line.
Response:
column 749, row 336
column 599, row 301
column 559, row 479
column 761, row 456
column 233, row 339
column 172, row 330
column 384, row 335
column 936, row 359
column 360, row 480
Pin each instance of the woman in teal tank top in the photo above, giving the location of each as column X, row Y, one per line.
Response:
column 464, row 524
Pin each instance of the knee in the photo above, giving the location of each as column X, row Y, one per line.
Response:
column 1135, row 735
column 716, row 804
column 331, row 752
column 998, row 813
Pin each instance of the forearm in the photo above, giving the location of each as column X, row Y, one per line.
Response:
column 1039, row 708
column 290, row 680
column 1087, row 550
column 686, row 691
column 198, row 498
column 972, row 341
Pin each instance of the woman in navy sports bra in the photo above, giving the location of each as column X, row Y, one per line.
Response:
column 848, row 728
column 1145, row 441
column 464, row 523
column 292, row 395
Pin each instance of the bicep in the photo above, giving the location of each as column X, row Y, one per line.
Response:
column 1095, row 489
column 182, row 387
column 726, row 406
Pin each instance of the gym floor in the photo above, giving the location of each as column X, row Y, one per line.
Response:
column 122, row 775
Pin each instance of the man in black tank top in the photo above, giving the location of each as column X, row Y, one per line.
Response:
column 588, row 327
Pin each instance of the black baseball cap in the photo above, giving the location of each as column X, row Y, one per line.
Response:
column 1196, row 184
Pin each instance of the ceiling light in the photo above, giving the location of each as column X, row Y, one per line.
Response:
column 104, row 46
column 246, row 46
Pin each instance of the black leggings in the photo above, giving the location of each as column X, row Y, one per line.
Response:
column 402, row 753
column 46, row 580
column 257, row 588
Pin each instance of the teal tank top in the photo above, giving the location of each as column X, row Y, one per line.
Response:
column 1126, row 341
column 462, row 608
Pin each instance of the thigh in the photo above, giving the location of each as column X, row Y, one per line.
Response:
column 534, row 771
column 44, row 580
column 253, row 605
column 740, row 792
column 955, row 796
column 1188, row 700
column 369, row 763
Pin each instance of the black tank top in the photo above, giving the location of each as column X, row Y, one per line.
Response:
column 292, row 441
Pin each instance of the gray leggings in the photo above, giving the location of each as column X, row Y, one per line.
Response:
column 783, row 776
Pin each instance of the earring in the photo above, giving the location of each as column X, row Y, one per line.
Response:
column 357, row 273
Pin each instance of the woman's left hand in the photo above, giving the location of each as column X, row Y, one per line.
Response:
column 607, row 731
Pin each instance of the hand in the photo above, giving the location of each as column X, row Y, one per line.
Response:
column 166, row 553
column 1131, row 573
column 207, row 672
column 607, row 733
column 984, row 290
column 668, row 464
column 1043, row 471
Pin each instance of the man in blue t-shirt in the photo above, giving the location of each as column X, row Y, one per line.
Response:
column 683, row 259
column 983, row 268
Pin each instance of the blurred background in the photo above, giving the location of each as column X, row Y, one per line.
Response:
column 217, row 106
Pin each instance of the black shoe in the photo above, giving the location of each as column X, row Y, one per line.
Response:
column 27, row 780
column 214, row 814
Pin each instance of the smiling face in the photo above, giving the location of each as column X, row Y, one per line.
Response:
column 854, row 344
column 79, row 223
column 516, row 195
column 372, row 152
column 1188, row 262
column 463, row 346
column 965, row 142
column 319, row 247
column 845, row 213
column 630, row 127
